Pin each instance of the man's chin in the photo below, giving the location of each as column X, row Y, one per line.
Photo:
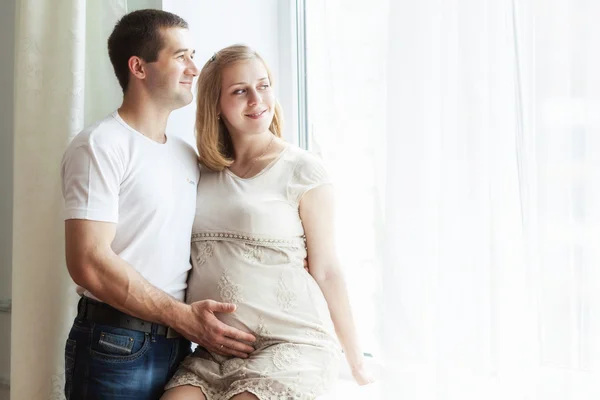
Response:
column 183, row 101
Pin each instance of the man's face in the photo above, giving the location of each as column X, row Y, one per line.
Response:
column 247, row 102
column 169, row 79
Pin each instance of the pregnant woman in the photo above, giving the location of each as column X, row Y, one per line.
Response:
column 263, row 207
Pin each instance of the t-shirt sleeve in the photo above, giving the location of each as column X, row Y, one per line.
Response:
column 309, row 173
column 91, row 179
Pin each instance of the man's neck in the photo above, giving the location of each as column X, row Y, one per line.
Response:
column 145, row 117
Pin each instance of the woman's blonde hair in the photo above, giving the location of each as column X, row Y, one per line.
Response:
column 212, row 137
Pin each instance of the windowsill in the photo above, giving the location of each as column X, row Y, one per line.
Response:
column 348, row 390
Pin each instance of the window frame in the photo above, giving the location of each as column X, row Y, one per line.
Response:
column 300, row 115
column 291, row 80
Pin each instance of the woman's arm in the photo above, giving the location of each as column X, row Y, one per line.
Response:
column 317, row 214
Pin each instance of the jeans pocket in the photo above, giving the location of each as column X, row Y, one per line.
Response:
column 70, row 352
column 120, row 345
column 117, row 344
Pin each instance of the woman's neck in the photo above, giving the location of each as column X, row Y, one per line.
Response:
column 248, row 147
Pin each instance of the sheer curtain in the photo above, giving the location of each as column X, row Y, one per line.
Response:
column 57, row 43
column 491, row 201
column 462, row 138
column 459, row 312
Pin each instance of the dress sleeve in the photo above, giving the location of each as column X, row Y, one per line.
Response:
column 309, row 173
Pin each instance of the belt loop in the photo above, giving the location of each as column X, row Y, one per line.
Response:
column 153, row 329
column 82, row 307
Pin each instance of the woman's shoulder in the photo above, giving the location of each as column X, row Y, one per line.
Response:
column 300, row 159
column 308, row 172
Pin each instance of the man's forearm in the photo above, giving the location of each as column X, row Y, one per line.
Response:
column 112, row 280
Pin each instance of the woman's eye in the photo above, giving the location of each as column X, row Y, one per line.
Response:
column 239, row 91
column 264, row 86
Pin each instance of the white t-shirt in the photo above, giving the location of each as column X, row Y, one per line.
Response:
column 113, row 173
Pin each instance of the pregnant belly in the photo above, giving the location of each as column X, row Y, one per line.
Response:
column 283, row 300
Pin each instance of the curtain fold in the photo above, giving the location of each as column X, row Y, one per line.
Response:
column 51, row 102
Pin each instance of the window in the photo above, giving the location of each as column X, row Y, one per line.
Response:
column 344, row 122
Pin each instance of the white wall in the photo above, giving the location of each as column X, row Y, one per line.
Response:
column 7, row 32
column 217, row 24
column 139, row 4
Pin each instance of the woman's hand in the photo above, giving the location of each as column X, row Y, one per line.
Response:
column 362, row 376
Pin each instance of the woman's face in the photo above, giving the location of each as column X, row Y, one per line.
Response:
column 247, row 101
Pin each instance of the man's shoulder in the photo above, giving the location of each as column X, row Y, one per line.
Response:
column 182, row 144
column 184, row 150
column 104, row 132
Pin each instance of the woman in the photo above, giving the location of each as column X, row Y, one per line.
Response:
column 263, row 206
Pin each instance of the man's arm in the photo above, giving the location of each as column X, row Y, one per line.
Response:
column 94, row 266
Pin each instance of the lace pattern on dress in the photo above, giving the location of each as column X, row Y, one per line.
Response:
column 263, row 388
column 262, row 334
column 285, row 355
column 230, row 292
column 205, row 251
column 254, row 254
column 285, row 297
column 233, row 365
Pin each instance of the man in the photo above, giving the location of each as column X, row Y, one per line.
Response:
column 130, row 199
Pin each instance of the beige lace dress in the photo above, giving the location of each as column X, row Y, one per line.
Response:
column 248, row 248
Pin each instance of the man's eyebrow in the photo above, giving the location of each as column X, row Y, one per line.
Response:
column 183, row 51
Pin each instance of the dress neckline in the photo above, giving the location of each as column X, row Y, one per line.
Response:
column 262, row 171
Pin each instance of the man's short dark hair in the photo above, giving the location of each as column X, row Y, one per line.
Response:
column 139, row 34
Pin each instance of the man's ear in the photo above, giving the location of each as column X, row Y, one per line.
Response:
column 137, row 67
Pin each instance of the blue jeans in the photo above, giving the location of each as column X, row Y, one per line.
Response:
column 104, row 362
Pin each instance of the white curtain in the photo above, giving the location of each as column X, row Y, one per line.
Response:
column 60, row 53
column 462, row 137
column 490, row 270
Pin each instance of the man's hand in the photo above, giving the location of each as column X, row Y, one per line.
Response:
column 206, row 330
column 93, row 265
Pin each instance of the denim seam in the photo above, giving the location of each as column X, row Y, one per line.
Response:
column 70, row 357
column 174, row 352
column 86, row 374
